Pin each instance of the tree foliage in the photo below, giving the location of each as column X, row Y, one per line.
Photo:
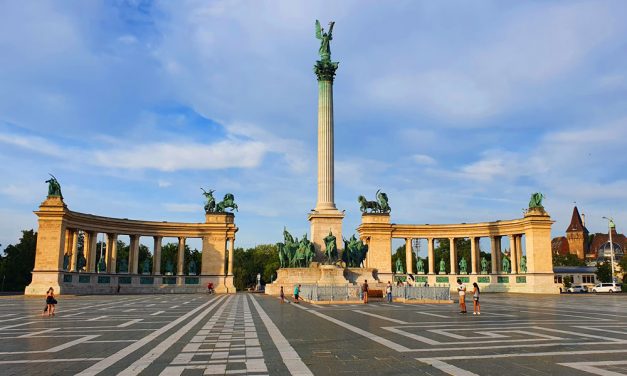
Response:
column 567, row 260
column 18, row 262
column 604, row 272
column 263, row 259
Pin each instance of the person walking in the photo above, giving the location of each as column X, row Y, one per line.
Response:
column 282, row 295
column 476, row 308
column 364, row 290
column 296, row 294
column 461, row 288
column 388, row 291
column 50, row 302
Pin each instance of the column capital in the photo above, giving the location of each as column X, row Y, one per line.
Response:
column 325, row 70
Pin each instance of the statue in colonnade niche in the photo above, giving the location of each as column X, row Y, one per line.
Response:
column 123, row 266
column 146, row 267
column 536, row 200
column 463, row 266
column 506, row 265
column 54, row 188
column 442, row 266
column 227, row 203
column 191, row 267
column 102, row 266
column 169, row 267
column 523, row 264
column 330, row 248
column 399, row 266
column 484, row 266
column 420, row 266
column 66, row 261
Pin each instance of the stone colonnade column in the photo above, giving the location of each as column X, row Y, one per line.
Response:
column 453, row 256
column 91, row 240
column 112, row 252
column 493, row 258
column 74, row 262
column 408, row 258
column 499, row 256
column 156, row 257
column 181, row 256
column 473, row 254
column 512, row 254
column 133, row 254
column 231, row 248
column 518, row 250
column 431, row 256
column 67, row 249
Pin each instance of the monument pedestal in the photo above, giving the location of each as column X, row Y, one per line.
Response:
column 321, row 223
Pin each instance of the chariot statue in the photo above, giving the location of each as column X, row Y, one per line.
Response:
column 210, row 205
column 227, row 203
column 379, row 206
column 536, row 201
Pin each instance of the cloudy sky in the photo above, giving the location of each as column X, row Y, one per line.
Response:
column 458, row 110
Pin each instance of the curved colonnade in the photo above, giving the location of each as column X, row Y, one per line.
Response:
column 57, row 263
column 377, row 231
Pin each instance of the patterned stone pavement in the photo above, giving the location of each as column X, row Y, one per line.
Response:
column 246, row 334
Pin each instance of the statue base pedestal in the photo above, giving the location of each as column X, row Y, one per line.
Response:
column 331, row 275
column 322, row 222
column 322, row 275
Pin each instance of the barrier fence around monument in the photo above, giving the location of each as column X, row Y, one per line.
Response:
column 353, row 293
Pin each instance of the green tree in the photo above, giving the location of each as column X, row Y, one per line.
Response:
column 567, row 281
column 604, row 272
column 623, row 264
column 567, row 260
column 19, row 262
column 169, row 252
column 263, row 259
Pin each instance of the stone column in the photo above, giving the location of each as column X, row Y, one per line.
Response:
column 453, row 256
column 518, row 250
column 513, row 258
column 431, row 256
column 326, row 200
column 493, row 258
column 473, row 254
column 408, row 258
column 231, row 248
column 89, row 244
column 499, row 258
column 134, row 254
column 181, row 256
column 74, row 261
column 156, row 257
column 111, row 247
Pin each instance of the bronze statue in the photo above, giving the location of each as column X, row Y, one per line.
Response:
column 191, row 267
column 505, row 265
column 523, row 264
column 420, row 266
column 399, row 266
column 536, row 200
column 330, row 248
column 442, row 266
column 146, row 267
column 384, row 207
column 354, row 252
column 228, row 202
column 379, row 206
column 484, row 266
column 210, row 205
column 325, row 41
column 463, row 266
column 54, row 188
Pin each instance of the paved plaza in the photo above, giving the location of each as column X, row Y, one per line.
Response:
column 256, row 335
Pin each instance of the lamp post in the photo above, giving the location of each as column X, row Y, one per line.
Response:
column 611, row 226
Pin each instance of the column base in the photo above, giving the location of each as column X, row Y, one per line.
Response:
column 321, row 223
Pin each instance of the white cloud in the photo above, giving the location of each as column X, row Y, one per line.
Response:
column 163, row 183
column 33, row 143
column 423, row 159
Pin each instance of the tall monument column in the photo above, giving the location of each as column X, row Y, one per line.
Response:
column 325, row 217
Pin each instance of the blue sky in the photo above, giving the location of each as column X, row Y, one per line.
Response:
column 458, row 110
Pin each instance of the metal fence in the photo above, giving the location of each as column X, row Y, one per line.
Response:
column 348, row 292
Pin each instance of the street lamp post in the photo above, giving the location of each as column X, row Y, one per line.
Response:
column 611, row 226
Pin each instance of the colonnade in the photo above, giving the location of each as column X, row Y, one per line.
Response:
column 515, row 246
column 90, row 250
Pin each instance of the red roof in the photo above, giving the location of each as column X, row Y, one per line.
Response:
column 576, row 225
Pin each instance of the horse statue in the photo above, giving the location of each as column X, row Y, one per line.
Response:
column 365, row 205
column 536, row 200
column 210, row 205
column 228, row 202
column 283, row 259
column 384, row 207
column 54, row 188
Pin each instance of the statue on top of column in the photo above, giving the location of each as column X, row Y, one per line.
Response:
column 536, row 201
column 381, row 205
column 325, row 41
column 325, row 68
column 210, row 205
column 54, row 188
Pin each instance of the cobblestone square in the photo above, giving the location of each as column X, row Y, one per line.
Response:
column 251, row 334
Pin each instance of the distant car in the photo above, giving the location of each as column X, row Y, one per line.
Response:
column 577, row 288
column 607, row 287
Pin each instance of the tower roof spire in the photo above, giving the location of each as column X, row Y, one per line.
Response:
column 576, row 224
